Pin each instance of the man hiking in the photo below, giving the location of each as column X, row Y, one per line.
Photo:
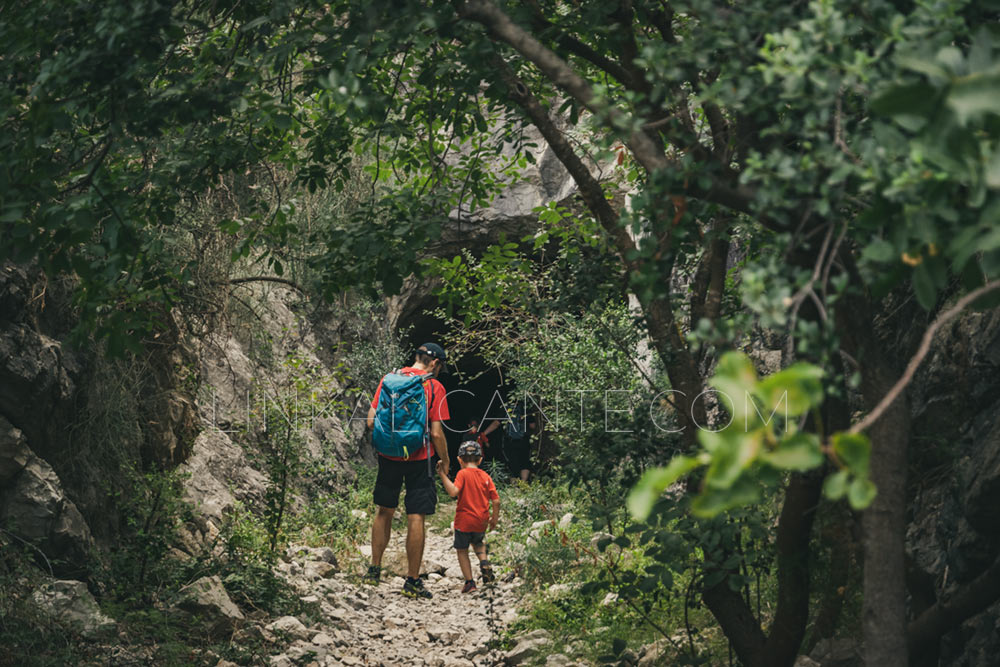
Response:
column 406, row 418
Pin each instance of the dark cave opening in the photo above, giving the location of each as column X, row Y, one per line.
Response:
column 474, row 385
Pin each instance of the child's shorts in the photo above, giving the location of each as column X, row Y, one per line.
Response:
column 464, row 539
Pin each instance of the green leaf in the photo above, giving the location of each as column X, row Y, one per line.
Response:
column 647, row 490
column 916, row 99
column 854, row 451
column 797, row 452
column 861, row 493
column 710, row 502
column 974, row 95
column 734, row 378
column 799, row 385
column 923, row 287
column 835, row 486
column 732, row 455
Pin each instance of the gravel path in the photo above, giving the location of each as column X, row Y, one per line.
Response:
column 369, row 625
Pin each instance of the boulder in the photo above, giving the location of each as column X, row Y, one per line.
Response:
column 207, row 599
column 216, row 475
column 318, row 569
column 289, row 626
column 655, row 653
column 34, row 503
column 528, row 646
column 837, row 653
column 567, row 520
column 443, row 634
column 71, row 605
column 322, row 639
column 559, row 590
column 323, row 554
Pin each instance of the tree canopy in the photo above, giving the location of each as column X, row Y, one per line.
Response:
column 852, row 148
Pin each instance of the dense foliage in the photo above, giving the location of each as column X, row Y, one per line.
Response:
column 846, row 150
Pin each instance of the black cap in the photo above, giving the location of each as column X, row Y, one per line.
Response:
column 470, row 448
column 435, row 351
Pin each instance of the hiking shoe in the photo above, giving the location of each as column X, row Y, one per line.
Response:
column 414, row 588
column 470, row 586
column 488, row 576
column 373, row 575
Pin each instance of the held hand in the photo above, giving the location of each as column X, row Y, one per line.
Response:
column 443, row 467
column 493, row 523
column 440, row 468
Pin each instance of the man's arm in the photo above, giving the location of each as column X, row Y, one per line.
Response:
column 494, row 425
column 449, row 486
column 371, row 417
column 440, row 444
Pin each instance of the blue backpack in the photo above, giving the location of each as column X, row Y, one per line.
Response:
column 401, row 420
column 517, row 427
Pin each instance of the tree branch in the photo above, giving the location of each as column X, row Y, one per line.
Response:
column 946, row 615
column 561, row 74
column 709, row 279
column 647, row 152
column 265, row 279
column 590, row 187
column 578, row 48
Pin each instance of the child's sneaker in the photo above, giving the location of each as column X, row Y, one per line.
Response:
column 487, row 574
column 373, row 575
column 470, row 586
column 414, row 588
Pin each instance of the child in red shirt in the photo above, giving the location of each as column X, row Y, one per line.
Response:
column 474, row 489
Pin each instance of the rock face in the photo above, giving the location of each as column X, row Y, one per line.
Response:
column 953, row 535
column 71, row 605
column 38, row 376
column 511, row 215
column 57, row 484
column 34, row 504
column 241, row 379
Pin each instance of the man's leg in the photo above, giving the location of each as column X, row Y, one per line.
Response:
column 414, row 544
column 381, row 530
column 524, row 474
column 463, row 562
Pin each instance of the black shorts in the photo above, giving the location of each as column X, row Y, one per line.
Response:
column 464, row 539
column 518, row 455
column 421, row 492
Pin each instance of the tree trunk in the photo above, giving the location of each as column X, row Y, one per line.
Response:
column 884, row 522
column 842, row 546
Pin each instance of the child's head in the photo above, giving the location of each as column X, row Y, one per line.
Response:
column 470, row 453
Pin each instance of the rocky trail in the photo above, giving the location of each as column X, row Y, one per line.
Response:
column 376, row 625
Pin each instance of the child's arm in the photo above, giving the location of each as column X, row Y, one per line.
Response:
column 495, row 513
column 449, row 486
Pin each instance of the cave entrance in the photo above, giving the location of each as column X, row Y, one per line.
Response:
column 475, row 386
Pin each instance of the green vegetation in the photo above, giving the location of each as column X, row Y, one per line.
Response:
column 821, row 175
